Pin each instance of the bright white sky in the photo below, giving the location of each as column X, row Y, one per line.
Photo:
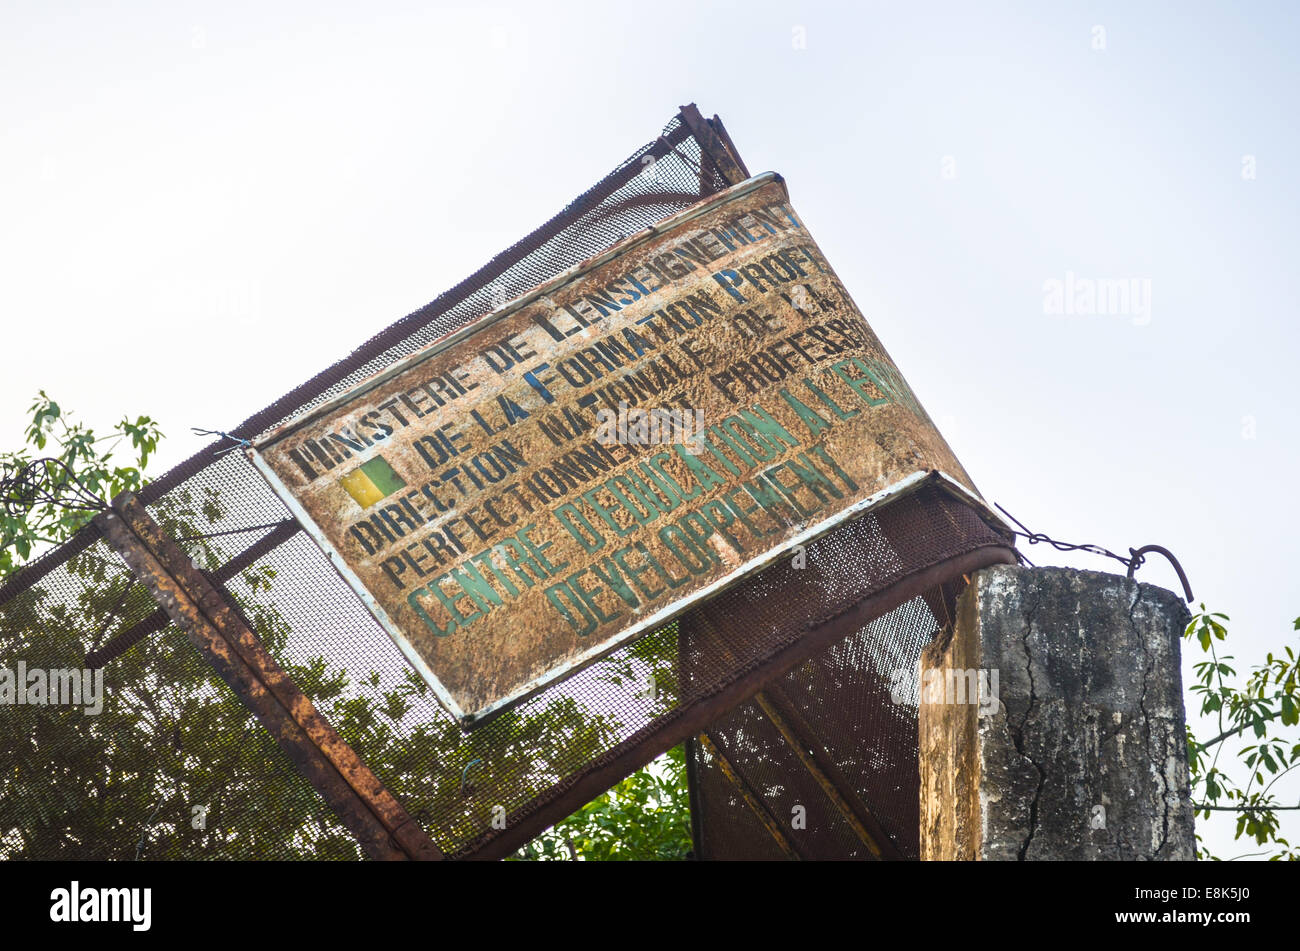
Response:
column 203, row 204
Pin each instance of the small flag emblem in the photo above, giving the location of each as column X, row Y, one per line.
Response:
column 372, row 481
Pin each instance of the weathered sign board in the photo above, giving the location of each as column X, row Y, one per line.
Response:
column 525, row 495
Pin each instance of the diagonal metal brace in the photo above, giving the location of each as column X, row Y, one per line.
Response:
column 364, row 805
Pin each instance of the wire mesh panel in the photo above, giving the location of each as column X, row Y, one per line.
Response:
column 175, row 767
column 855, row 705
column 155, row 758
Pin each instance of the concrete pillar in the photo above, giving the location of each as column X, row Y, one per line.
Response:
column 1052, row 723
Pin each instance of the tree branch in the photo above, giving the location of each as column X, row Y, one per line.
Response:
column 1198, row 806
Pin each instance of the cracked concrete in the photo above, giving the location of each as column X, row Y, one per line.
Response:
column 1086, row 755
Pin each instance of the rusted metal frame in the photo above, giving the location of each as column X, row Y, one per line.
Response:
column 643, row 746
column 712, row 147
column 711, row 745
column 369, row 811
column 796, row 733
column 120, row 643
column 246, row 685
column 693, row 798
column 721, row 130
column 228, row 622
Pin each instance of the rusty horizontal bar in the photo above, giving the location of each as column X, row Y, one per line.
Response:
column 363, row 804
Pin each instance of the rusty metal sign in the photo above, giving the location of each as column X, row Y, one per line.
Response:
column 526, row 494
